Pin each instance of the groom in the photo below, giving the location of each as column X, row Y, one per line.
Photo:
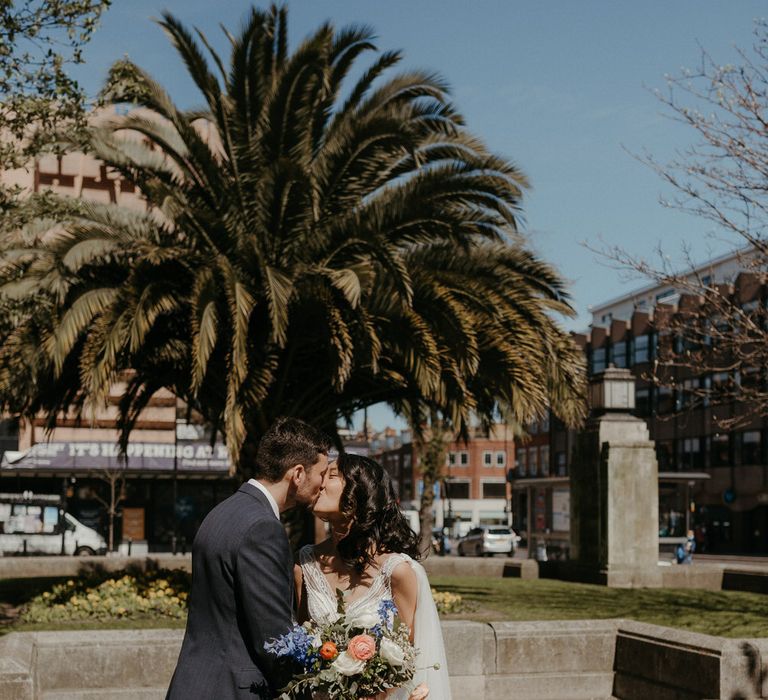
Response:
column 242, row 572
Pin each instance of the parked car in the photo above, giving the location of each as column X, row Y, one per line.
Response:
column 33, row 524
column 485, row 541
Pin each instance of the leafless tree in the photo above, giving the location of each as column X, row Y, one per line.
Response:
column 713, row 343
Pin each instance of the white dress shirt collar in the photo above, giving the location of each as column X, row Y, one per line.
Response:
column 270, row 498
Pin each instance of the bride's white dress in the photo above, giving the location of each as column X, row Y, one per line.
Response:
column 428, row 637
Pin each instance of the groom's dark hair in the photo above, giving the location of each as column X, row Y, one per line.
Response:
column 288, row 442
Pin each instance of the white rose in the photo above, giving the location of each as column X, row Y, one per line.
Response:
column 364, row 618
column 392, row 653
column 347, row 665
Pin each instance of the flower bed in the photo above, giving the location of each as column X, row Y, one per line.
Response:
column 120, row 595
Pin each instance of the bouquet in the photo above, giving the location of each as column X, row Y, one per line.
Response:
column 350, row 655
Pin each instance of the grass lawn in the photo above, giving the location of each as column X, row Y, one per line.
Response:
column 725, row 613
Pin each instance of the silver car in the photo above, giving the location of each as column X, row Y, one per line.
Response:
column 487, row 541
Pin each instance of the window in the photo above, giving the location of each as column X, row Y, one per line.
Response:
column 619, row 354
column 606, row 318
column 521, row 462
column 451, row 459
column 665, row 400
column 487, row 458
column 688, row 396
column 501, row 459
column 493, row 489
column 561, row 463
column 719, row 450
column 666, row 295
column 641, row 349
column 750, row 447
column 665, row 455
column 463, row 459
column 533, row 461
column 457, row 489
column 642, row 400
column 691, row 456
column 750, row 378
column 720, row 382
column 544, row 459
column 545, row 424
column 598, row 360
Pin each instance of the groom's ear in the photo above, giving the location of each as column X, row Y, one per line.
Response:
column 297, row 473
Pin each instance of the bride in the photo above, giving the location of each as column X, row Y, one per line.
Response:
column 371, row 556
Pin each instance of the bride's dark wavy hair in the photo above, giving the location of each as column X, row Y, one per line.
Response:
column 370, row 502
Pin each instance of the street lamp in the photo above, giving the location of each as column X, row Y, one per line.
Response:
column 612, row 390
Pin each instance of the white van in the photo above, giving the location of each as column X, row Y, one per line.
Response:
column 33, row 523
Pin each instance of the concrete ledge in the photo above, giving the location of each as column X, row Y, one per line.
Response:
column 521, row 568
column 748, row 580
column 55, row 567
column 574, row 660
column 487, row 567
column 701, row 576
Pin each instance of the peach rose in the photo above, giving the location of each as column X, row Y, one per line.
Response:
column 421, row 692
column 362, row 647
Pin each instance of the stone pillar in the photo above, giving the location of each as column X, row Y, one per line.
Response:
column 615, row 490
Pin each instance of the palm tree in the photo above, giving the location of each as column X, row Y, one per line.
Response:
column 309, row 248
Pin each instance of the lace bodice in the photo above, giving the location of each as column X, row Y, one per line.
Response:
column 321, row 598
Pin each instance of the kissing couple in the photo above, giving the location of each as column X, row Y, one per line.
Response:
column 247, row 590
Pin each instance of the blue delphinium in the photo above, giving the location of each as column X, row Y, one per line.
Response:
column 298, row 644
column 387, row 613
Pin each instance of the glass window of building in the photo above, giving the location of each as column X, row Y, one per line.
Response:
column 544, row 459
column 561, row 463
column 487, row 458
column 545, row 424
column 501, row 458
column 691, row 456
column 493, row 489
column 643, row 400
column 619, row 354
column 641, row 349
column 750, row 447
column 463, row 459
column 665, row 399
column 665, row 455
column 719, row 450
column 458, row 489
column 533, row 461
column 521, row 462
column 451, row 457
column 598, row 360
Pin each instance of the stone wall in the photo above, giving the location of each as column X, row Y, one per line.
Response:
column 563, row 660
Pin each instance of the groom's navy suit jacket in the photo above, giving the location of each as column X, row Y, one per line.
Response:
column 242, row 593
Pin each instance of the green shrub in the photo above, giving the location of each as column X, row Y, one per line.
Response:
column 122, row 595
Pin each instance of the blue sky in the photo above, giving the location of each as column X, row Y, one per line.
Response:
column 562, row 88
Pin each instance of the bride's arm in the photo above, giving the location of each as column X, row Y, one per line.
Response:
column 405, row 591
column 298, row 582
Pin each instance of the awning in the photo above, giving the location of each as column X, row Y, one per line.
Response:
column 141, row 457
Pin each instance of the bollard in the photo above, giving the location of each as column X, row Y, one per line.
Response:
column 173, row 544
column 130, row 542
column 25, row 547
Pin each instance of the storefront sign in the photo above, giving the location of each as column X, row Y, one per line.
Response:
column 140, row 456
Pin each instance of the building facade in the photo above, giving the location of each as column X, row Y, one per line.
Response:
column 712, row 480
column 474, row 489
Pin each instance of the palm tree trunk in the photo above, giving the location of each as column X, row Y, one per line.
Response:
column 432, row 459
